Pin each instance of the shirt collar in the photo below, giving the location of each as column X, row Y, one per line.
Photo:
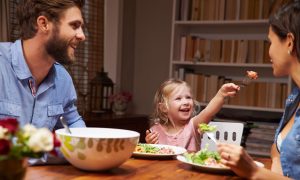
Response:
column 20, row 66
column 18, row 61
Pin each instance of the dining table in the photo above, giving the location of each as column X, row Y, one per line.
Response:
column 133, row 168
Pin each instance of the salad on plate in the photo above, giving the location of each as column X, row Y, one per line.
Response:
column 149, row 148
column 205, row 157
column 157, row 151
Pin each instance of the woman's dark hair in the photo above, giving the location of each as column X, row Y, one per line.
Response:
column 287, row 20
column 29, row 10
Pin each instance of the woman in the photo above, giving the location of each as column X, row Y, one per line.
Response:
column 284, row 37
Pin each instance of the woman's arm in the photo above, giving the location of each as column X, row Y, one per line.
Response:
column 276, row 164
column 242, row 164
column 216, row 103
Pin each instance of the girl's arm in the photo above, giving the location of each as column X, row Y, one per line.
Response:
column 216, row 103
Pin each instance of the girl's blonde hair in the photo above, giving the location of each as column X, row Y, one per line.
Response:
column 160, row 114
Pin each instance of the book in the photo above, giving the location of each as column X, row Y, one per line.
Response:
column 242, row 51
column 182, row 48
column 195, row 10
column 189, row 49
column 251, row 52
column 275, row 5
column 266, row 9
column 231, row 10
column 226, row 51
column 184, row 10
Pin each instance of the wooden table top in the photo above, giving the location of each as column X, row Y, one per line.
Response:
column 131, row 169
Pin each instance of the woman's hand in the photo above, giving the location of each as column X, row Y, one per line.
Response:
column 237, row 159
column 228, row 90
column 151, row 137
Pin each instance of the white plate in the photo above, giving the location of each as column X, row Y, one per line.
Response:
column 211, row 168
column 177, row 151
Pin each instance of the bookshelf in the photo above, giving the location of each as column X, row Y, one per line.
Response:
column 217, row 41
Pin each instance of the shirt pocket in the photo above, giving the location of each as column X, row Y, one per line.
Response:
column 8, row 109
column 54, row 112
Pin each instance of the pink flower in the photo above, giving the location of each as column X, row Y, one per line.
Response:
column 28, row 141
column 4, row 147
column 56, row 143
column 10, row 124
column 122, row 97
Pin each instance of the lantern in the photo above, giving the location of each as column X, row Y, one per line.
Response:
column 101, row 89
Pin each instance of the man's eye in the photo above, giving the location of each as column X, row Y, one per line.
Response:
column 74, row 26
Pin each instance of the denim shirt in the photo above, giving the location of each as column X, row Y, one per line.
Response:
column 290, row 147
column 41, row 107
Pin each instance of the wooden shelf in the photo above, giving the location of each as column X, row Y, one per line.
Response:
column 204, row 34
column 260, row 23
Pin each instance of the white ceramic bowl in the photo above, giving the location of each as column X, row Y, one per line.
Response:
column 96, row 149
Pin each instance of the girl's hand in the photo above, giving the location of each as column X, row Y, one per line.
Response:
column 237, row 159
column 151, row 137
column 228, row 89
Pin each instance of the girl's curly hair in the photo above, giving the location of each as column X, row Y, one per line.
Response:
column 160, row 115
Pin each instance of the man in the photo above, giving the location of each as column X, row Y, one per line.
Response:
column 35, row 87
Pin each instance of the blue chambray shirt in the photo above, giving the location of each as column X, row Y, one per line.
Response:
column 290, row 147
column 55, row 96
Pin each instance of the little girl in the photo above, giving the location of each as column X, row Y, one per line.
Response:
column 172, row 121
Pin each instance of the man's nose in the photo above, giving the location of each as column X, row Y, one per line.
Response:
column 80, row 35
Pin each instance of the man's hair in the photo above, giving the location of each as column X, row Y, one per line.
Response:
column 29, row 10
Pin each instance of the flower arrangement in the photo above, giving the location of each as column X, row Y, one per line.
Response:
column 18, row 143
column 121, row 97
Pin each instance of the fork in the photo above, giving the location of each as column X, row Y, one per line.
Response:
column 245, row 82
column 64, row 123
column 212, row 137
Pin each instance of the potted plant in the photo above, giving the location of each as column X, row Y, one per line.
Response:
column 17, row 144
column 120, row 102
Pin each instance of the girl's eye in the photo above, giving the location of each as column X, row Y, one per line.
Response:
column 188, row 97
column 178, row 98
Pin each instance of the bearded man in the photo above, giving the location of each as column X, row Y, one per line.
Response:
column 35, row 86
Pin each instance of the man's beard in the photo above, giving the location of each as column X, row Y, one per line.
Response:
column 57, row 48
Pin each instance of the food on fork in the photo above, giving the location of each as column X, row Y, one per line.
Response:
column 252, row 74
column 206, row 127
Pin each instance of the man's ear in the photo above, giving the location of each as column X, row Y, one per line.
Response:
column 290, row 41
column 163, row 107
column 43, row 24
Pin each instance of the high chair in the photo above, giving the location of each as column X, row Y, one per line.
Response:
column 227, row 132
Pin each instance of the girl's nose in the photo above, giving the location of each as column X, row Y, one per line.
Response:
column 186, row 101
